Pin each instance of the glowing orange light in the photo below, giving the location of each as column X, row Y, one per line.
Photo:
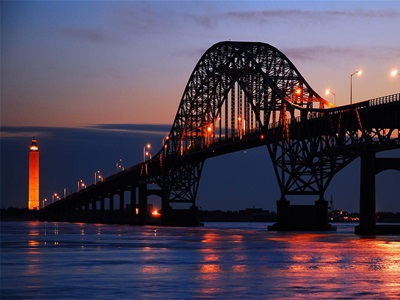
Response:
column 33, row 191
column 298, row 91
column 155, row 213
column 262, row 136
column 209, row 128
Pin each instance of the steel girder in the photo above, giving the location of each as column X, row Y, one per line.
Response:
column 269, row 85
column 253, row 87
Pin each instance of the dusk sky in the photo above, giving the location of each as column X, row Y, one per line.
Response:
column 94, row 81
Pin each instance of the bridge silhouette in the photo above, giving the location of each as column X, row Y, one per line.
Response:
column 242, row 95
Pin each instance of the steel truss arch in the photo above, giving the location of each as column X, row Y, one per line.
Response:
column 273, row 91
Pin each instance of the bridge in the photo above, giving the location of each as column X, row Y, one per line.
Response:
column 242, row 95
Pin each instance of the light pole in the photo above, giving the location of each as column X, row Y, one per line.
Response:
column 165, row 143
column 55, row 195
column 65, row 193
column 327, row 92
column 81, row 184
column 118, row 166
column 145, row 153
column 359, row 72
column 44, row 200
column 97, row 175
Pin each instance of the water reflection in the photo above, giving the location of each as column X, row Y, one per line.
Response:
column 105, row 262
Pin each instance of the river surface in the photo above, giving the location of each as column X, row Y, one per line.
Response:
column 46, row 260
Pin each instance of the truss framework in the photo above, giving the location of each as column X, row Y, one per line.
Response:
column 238, row 89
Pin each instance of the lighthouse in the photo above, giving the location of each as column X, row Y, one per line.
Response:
column 33, row 192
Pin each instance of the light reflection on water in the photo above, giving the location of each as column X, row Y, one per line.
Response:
column 221, row 260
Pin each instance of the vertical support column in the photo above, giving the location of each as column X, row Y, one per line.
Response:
column 121, row 201
column 226, row 119
column 283, row 212
column 111, row 202
column 93, row 212
column 166, row 209
column 133, row 203
column 86, row 212
column 102, row 206
column 143, row 203
column 367, row 194
column 233, row 112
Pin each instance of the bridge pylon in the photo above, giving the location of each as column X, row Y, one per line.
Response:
column 302, row 217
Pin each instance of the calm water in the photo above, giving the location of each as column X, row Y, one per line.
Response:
column 220, row 260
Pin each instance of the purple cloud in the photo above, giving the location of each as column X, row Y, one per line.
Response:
column 90, row 35
column 313, row 52
column 263, row 16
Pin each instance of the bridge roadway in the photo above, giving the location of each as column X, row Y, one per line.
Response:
column 88, row 204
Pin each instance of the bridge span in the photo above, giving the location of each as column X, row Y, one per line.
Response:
column 239, row 96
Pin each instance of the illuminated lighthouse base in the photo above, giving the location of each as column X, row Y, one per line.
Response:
column 33, row 191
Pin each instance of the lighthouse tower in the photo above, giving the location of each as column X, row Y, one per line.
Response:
column 33, row 192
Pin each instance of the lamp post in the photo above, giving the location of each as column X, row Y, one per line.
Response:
column 118, row 166
column 44, row 200
column 81, row 184
column 55, row 195
column 165, row 144
column 394, row 73
column 359, row 72
column 98, row 176
column 145, row 153
column 65, row 193
column 327, row 92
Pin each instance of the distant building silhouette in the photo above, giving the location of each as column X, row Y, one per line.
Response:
column 33, row 192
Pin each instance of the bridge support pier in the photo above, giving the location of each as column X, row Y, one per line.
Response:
column 302, row 217
column 367, row 195
column 370, row 166
column 142, row 204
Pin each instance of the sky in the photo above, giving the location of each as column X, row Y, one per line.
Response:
column 94, row 81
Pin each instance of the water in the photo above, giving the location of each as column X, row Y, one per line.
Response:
column 220, row 260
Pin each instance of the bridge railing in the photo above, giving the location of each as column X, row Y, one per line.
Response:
column 384, row 100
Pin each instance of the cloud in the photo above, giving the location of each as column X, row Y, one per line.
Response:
column 295, row 15
column 315, row 52
column 131, row 129
column 307, row 15
column 87, row 34
column 152, row 129
column 9, row 132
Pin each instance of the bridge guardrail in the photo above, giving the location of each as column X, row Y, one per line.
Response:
column 384, row 100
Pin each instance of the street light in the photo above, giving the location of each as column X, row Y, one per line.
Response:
column 327, row 92
column 55, row 195
column 97, row 175
column 118, row 166
column 359, row 72
column 165, row 143
column 145, row 153
column 394, row 73
column 81, row 184
column 44, row 200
